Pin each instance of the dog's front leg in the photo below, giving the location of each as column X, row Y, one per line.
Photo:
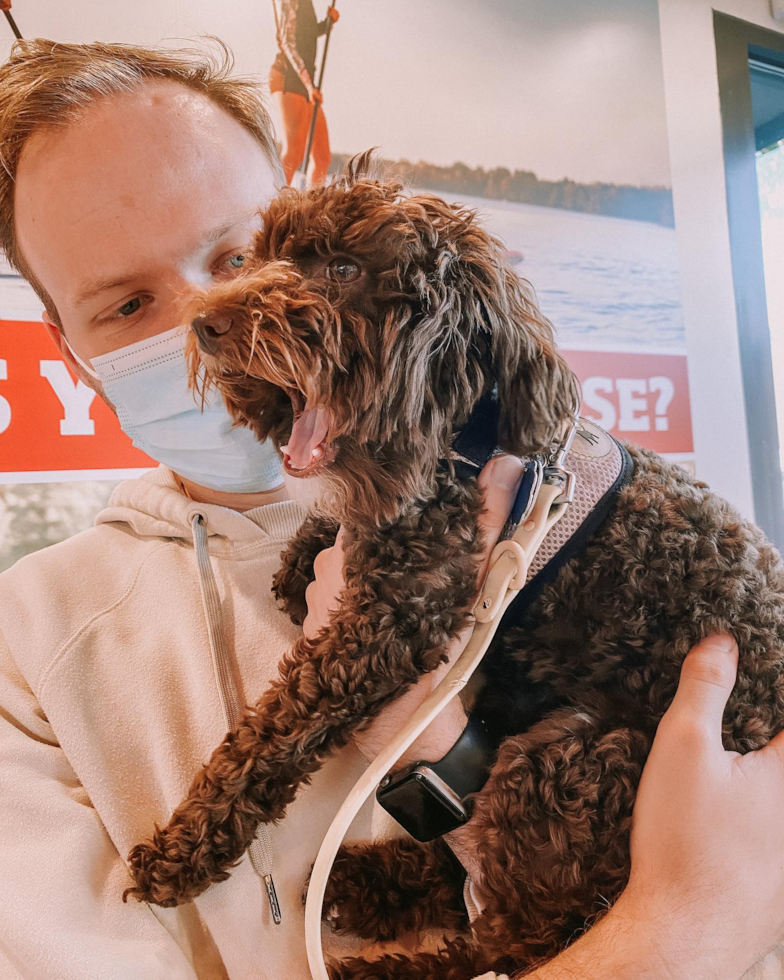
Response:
column 329, row 686
column 397, row 619
column 382, row 889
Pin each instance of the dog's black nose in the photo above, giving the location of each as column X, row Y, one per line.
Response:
column 209, row 328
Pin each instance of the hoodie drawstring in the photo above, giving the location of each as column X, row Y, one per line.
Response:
column 260, row 850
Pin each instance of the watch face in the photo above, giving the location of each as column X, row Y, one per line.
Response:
column 421, row 808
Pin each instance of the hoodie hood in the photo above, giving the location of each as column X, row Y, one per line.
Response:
column 153, row 506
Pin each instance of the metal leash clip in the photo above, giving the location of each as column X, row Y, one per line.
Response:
column 555, row 473
column 533, row 473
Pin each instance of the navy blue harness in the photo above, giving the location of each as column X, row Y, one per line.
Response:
column 473, row 447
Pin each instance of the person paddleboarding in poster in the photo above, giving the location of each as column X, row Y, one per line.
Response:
column 292, row 84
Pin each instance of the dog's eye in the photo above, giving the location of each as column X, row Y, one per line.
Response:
column 343, row 270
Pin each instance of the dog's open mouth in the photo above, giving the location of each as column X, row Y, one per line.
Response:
column 308, row 450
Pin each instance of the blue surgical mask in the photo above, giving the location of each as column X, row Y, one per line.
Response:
column 147, row 382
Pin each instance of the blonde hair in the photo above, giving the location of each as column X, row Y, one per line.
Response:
column 46, row 84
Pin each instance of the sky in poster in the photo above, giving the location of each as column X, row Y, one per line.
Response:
column 566, row 88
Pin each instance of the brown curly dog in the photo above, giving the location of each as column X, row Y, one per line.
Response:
column 366, row 327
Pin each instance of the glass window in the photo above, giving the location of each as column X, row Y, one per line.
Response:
column 767, row 96
column 34, row 515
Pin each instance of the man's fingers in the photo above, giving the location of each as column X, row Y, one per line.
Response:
column 328, row 563
column 707, row 678
column 774, row 747
column 500, row 479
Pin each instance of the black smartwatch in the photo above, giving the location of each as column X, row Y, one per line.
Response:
column 427, row 799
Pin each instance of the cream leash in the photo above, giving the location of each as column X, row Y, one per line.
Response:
column 509, row 564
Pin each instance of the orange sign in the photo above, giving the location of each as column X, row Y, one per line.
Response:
column 643, row 398
column 53, row 427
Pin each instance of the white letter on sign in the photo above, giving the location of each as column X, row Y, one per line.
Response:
column 665, row 389
column 75, row 399
column 628, row 402
column 5, row 408
column 592, row 399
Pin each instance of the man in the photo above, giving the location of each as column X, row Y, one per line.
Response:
column 132, row 188
column 129, row 179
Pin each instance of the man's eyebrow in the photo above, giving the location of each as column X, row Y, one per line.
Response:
column 90, row 289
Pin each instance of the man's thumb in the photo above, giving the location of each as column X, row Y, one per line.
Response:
column 707, row 678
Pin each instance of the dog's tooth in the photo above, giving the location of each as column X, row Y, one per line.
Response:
column 284, row 449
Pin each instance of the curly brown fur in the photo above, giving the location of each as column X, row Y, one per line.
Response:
column 381, row 891
column 606, row 640
column 397, row 356
column 457, row 960
column 397, row 353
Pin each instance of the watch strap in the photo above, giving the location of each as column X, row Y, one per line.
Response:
column 467, row 764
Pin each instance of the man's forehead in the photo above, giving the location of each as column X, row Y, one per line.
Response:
column 162, row 136
column 165, row 168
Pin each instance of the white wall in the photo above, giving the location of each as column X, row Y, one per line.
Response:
column 697, row 164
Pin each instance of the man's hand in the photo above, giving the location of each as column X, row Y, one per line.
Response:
column 706, row 894
column 500, row 480
column 314, row 94
column 708, row 834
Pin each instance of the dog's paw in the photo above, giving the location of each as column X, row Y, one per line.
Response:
column 292, row 579
column 352, row 899
column 166, row 876
column 288, row 587
column 330, row 910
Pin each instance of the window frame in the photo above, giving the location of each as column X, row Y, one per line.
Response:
column 736, row 42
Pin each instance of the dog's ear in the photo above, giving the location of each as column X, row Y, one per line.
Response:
column 497, row 334
column 537, row 391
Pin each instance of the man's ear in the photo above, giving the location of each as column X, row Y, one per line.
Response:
column 55, row 331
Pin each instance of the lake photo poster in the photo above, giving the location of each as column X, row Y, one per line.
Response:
column 549, row 119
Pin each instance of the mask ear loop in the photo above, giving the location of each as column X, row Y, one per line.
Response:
column 82, row 364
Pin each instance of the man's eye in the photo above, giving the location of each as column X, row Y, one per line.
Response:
column 129, row 308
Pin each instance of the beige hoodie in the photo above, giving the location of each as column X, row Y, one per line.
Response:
column 109, row 705
column 110, row 701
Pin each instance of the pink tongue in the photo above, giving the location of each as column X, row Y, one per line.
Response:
column 308, row 432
